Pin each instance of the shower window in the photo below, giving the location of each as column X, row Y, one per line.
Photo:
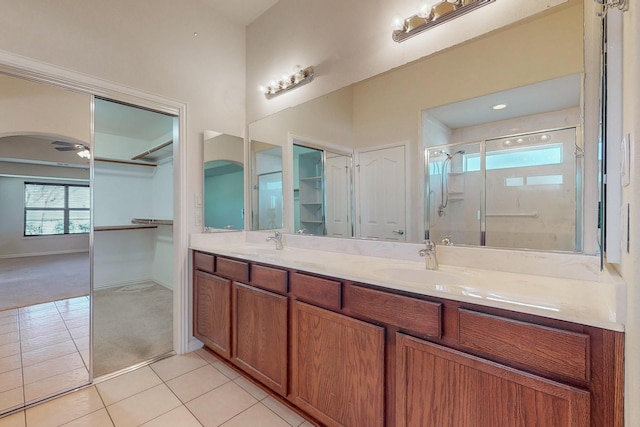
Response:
column 516, row 192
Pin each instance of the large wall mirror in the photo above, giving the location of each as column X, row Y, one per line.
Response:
column 385, row 122
column 45, row 226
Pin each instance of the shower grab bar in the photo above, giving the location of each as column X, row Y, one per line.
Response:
column 533, row 214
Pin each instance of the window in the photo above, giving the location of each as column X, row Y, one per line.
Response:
column 52, row 209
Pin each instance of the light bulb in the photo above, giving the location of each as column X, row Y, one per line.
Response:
column 424, row 8
column 397, row 23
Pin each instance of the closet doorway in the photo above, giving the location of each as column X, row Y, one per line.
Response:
column 133, row 235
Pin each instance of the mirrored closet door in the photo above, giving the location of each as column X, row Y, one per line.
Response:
column 133, row 236
column 45, row 221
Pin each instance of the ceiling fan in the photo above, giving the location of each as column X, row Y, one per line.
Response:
column 81, row 149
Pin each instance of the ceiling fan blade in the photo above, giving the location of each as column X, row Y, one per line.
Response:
column 66, row 144
column 66, row 148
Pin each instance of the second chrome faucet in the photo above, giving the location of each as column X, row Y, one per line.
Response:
column 429, row 252
column 277, row 238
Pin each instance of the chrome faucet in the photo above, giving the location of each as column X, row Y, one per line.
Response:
column 277, row 237
column 429, row 252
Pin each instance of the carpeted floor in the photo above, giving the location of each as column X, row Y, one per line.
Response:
column 34, row 280
column 132, row 324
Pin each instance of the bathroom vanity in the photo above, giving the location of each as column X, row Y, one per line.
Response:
column 332, row 335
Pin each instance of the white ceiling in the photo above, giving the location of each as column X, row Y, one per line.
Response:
column 241, row 12
column 131, row 122
column 550, row 95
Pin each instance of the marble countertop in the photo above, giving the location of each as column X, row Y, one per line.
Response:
column 578, row 293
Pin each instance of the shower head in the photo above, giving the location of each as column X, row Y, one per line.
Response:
column 450, row 156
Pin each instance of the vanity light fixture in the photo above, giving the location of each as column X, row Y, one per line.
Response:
column 607, row 4
column 300, row 77
column 431, row 13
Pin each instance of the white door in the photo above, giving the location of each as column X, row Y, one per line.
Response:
column 382, row 197
column 337, row 185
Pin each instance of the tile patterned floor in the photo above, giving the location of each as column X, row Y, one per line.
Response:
column 44, row 349
column 195, row 389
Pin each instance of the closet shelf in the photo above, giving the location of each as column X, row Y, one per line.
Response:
column 155, row 154
column 124, row 227
column 136, row 224
column 124, row 162
column 152, row 221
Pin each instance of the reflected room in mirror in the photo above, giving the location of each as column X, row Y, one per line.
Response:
column 410, row 182
column 518, row 183
column 266, row 179
column 44, row 268
column 223, row 182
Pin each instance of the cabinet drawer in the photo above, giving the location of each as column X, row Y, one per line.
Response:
column 542, row 348
column 316, row 290
column 269, row 278
column 236, row 270
column 409, row 314
column 203, row 262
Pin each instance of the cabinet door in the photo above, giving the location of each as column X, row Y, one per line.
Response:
column 260, row 335
column 437, row 386
column 212, row 312
column 337, row 367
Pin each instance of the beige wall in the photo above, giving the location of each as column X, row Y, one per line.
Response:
column 148, row 45
column 348, row 41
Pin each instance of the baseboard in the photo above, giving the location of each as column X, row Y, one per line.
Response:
column 194, row 344
column 123, row 283
column 74, row 251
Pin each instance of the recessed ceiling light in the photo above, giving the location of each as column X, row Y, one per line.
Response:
column 499, row 106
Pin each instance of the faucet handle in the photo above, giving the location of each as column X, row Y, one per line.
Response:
column 429, row 245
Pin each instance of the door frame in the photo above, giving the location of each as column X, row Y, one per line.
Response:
column 25, row 68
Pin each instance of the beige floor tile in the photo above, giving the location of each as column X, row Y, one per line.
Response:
column 9, row 349
column 9, row 337
column 15, row 420
column 43, row 354
column 11, row 399
column 42, row 330
column 8, row 313
column 210, row 358
column 64, row 409
column 44, row 341
column 99, row 418
column 76, row 323
column 126, row 385
column 227, row 371
column 10, row 363
column 82, row 343
column 81, row 314
column 8, row 328
column 283, row 412
column 178, row 417
column 11, row 379
column 257, row 416
column 8, row 319
column 221, row 404
column 175, row 366
column 143, row 407
column 73, row 302
column 52, row 367
column 80, row 331
column 251, row 388
column 56, row 384
column 197, row 382
column 46, row 309
column 42, row 316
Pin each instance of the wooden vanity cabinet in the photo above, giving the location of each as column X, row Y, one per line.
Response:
column 467, row 391
column 212, row 311
column 260, row 328
column 352, row 354
column 337, row 367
